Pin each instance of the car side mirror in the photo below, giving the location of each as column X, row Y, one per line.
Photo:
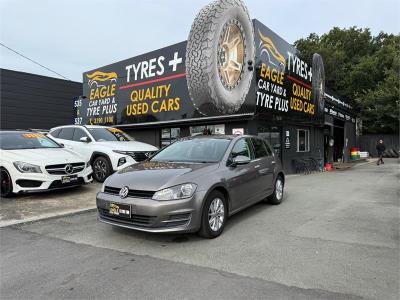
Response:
column 85, row 139
column 62, row 145
column 240, row 160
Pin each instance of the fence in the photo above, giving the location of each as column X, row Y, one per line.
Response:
column 368, row 142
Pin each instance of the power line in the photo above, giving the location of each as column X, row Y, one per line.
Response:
column 35, row 62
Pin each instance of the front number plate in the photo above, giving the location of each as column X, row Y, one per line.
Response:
column 68, row 179
column 122, row 210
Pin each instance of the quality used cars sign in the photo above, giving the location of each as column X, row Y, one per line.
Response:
column 149, row 87
column 283, row 79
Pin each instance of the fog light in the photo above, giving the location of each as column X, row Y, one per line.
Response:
column 121, row 161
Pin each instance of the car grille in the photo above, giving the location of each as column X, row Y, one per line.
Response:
column 131, row 193
column 60, row 169
column 140, row 156
column 138, row 220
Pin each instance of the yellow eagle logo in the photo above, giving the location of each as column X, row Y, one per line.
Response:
column 99, row 76
column 268, row 45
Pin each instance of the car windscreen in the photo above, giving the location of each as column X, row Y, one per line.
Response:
column 109, row 135
column 24, row 140
column 194, row 150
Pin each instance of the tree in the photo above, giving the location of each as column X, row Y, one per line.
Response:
column 364, row 70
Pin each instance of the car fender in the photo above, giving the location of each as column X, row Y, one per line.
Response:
column 215, row 186
column 98, row 153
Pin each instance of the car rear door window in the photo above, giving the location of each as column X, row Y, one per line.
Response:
column 66, row 133
column 259, row 148
column 56, row 132
column 268, row 147
column 242, row 147
column 78, row 134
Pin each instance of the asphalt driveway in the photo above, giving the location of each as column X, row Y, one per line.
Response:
column 336, row 235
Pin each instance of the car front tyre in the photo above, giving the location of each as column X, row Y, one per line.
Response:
column 101, row 168
column 6, row 183
column 277, row 196
column 214, row 215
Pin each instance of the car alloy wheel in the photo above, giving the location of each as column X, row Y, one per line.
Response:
column 216, row 214
column 6, row 184
column 100, row 169
column 279, row 189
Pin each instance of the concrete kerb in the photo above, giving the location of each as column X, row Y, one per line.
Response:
column 46, row 217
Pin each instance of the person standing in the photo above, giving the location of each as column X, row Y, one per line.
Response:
column 380, row 148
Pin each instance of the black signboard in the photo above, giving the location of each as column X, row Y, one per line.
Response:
column 153, row 87
column 283, row 80
column 148, row 88
column 338, row 113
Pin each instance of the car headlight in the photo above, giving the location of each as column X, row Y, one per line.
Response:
column 24, row 167
column 176, row 192
column 121, row 152
column 102, row 187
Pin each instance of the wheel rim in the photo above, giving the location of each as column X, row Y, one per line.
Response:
column 231, row 54
column 100, row 169
column 279, row 189
column 5, row 182
column 216, row 214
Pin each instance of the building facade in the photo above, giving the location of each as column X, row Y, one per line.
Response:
column 35, row 101
column 180, row 90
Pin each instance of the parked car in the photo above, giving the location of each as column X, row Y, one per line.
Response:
column 193, row 185
column 30, row 161
column 108, row 149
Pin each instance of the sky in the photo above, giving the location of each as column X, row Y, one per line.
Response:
column 73, row 36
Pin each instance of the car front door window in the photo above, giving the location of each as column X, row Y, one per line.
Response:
column 78, row 134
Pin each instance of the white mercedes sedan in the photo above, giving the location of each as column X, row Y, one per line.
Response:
column 30, row 161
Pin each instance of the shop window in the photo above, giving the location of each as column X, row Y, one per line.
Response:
column 213, row 129
column 303, row 140
column 169, row 135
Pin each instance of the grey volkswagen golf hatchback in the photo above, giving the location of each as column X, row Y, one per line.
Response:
column 193, row 185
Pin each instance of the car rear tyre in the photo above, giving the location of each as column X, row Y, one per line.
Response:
column 101, row 168
column 277, row 196
column 214, row 215
column 219, row 51
column 6, row 183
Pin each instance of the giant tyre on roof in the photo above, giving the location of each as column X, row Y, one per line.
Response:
column 318, row 82
column 220, row 47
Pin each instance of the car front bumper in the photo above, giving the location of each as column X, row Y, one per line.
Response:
column 44, row 181
column 154, row 216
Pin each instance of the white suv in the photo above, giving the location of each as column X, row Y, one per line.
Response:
column 108, row 149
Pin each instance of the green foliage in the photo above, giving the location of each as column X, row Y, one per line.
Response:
column 363, row 69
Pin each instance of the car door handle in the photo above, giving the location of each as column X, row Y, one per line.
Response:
column 273, row 162
column 256, row 167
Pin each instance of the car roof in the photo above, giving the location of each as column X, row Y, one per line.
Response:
column 79, row 126
column 220, row 136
